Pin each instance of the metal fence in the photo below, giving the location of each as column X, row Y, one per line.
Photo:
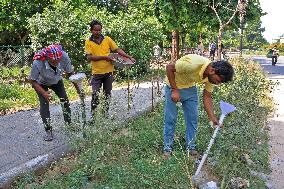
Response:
column 15, row 56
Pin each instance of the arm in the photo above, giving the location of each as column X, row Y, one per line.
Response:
column 34, row 75
column 208, row 105
column 171, row 77
column 69, row 70
column 74, row 83
column 97, row 58
column 40, row 90
column 122, row 53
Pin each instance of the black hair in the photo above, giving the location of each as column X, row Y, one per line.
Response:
column 223, row 69
column 95, row 22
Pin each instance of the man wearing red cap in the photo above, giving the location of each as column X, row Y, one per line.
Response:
column 48, row 66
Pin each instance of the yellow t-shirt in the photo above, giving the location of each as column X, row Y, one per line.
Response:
column 103, row 49
column 189, row 72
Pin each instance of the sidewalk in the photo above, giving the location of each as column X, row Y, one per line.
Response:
column 22, row 146
column 276, row 123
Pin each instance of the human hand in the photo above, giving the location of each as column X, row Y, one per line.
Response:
column 215, row 122
column 47, row 95
column 132, row 59
column 175, row 95
column 110, row 58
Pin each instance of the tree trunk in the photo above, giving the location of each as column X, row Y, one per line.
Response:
column 241, row 38
column 219, row 43
column 22, row 38
column 200, row 37
column 183, row 41
column 175, row 45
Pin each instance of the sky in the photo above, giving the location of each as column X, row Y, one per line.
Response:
column 274, row 20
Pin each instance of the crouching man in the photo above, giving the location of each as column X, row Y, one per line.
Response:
column 48, row 66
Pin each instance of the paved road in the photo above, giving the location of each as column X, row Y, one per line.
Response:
column 22, row 147
column 276, row 123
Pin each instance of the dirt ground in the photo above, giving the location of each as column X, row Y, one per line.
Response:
column 276, row 143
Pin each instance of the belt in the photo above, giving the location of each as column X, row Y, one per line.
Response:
column 103, row 74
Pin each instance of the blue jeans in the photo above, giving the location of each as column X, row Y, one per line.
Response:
column 189, row 101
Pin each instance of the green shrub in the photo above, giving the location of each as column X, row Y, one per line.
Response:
column 9, row 91
column 16, row 97
column 64, row 24
column 244, row 134
column 13, row 73
column 137, row 36
column 69, row 26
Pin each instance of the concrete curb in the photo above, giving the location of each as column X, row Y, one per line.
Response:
column 34, row 164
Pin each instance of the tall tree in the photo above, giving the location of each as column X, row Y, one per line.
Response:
column 253, row 32
column 254, row 35
column 14, row 15
column 113, row 6
column 175, row 16
column 224, row 14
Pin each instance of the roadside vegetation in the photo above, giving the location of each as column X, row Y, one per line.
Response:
column 130, row 154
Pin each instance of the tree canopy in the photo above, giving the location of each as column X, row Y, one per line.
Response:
column 14, row 19
column 193, row 20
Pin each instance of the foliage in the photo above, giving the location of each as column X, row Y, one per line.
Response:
column 129, row 30
column 231, row 40
column 253, row 31
column 130, row 154
column 14, row 97
column 253, row 38
column 133, row 35
column 173, row 14
column 63, row 24
column 146, row 7
column 215, row 16
column 244, row 137
column 112, row 6
column 13, row 74
column 278, row 46
column 176, row 17
column 14, row 23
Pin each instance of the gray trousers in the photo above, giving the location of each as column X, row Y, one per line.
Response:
column 97, row 81
column 44, row 104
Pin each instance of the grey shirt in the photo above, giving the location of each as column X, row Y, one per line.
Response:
column 45, row 75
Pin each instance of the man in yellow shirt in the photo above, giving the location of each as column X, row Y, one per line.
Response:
column 97, row 49
column 182, row 76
